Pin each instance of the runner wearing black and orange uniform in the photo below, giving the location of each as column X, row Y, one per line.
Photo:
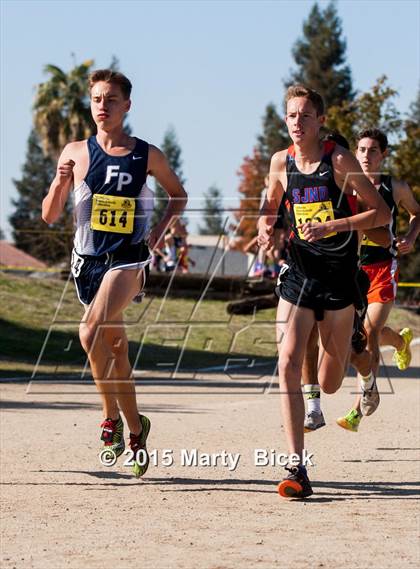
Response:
column 360, row 358
column 379, row 259
column 318, row 179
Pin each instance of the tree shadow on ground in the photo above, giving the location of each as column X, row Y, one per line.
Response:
column 61, row 349
column 62, row 352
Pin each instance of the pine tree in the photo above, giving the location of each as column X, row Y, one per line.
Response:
column 172, row 150
column 213, row 216
column 320, row 64
column 51, row 244
column 320, row 57
column 274, row 135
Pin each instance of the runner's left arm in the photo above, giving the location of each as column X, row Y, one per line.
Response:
column 403, row 196
column 379, row 235
column 158, row 167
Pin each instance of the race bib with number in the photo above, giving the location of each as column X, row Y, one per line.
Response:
column 112, row 213
column 368, row 243
column 318, row 212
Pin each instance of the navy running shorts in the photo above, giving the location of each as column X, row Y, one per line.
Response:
column 88, row 271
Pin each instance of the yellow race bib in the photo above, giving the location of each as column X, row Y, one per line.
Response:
column 368, row 243
column 112, row 213
column 318, row 212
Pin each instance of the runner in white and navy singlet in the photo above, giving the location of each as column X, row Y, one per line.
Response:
column 113, row 207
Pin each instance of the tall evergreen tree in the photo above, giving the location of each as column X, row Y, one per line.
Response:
column 320, row 64
column 274, row 136
column 320, row 56
column 30, row 233
column 172, row 150
column 214, row 219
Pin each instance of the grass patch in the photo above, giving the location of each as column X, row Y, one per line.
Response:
column 39, row 320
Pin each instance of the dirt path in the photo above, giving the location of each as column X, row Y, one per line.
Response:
column 62, row 509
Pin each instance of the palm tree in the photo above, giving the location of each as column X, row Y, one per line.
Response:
column 61, row 108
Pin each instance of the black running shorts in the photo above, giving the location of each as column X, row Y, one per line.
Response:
column 88, row 271
column 334, row 292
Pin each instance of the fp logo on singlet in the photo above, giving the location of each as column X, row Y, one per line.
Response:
column 124, row 178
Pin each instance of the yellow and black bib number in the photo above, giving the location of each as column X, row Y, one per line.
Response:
column 366, row 242
column 318, row 212
column 112, row 213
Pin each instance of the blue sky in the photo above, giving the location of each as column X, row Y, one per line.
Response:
column 207, row 68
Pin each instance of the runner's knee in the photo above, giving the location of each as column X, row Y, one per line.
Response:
column 372, row 329
column 290, row 371
column 329, row 388
column 330, row 382
column 90, row 334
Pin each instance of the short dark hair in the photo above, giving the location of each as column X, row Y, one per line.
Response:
column 335, row 136
column 110, row 76
column 302, row 91
column 375, row 134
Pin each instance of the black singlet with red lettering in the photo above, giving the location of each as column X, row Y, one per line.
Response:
column 370, row 252
column 316, row 197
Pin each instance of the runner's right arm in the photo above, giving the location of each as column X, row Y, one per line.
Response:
column 270, row 208
column 54, row 202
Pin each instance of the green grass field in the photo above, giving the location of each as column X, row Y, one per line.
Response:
column 39, row 320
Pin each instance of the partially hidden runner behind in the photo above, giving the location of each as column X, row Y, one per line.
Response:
column 113, row 207
column 379, row 252
column 319, row 181
column 360, row 358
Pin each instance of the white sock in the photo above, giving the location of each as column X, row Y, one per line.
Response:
column 367, row 382
column 313, row 395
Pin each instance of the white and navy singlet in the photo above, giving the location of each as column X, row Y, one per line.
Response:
column 113, row 205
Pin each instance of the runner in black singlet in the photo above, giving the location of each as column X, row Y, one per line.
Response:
column 318, row 180
column 322, row 273
column 379, row 251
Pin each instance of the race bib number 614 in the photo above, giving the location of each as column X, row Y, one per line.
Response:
column 112, row 213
